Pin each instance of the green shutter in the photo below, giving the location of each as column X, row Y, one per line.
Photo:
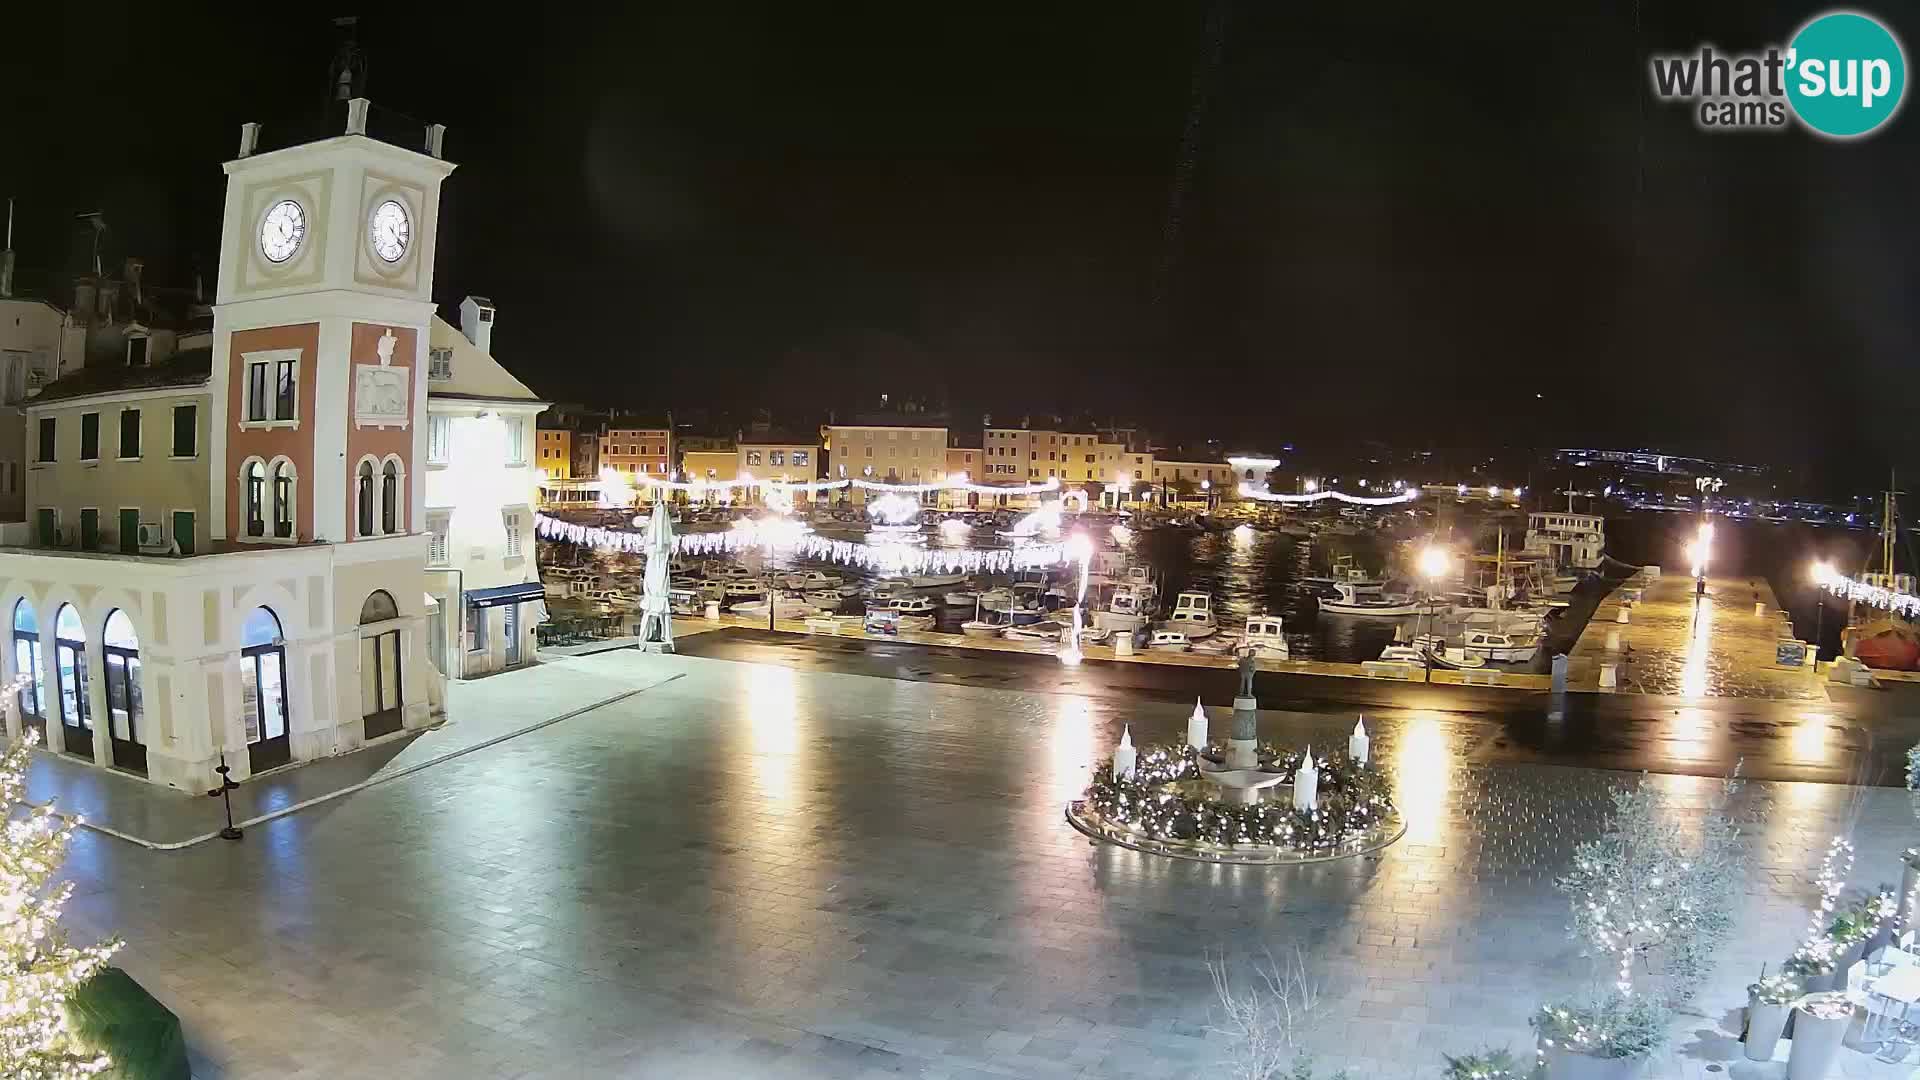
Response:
column 129, row 531
column 48, row 538
column 183, row 530
column 89, row 530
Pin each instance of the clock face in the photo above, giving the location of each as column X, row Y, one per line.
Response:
column 389, row 230
column 282, row 231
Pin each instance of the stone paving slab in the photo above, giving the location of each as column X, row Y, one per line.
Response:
column 483, row 710
column 752, row 871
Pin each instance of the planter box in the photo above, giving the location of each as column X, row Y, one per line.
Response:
column 1816, row 1044
column 1764, row 1026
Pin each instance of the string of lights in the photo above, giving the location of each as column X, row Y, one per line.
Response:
column 787, row 536
column 1247, row 491
column 751, row 481
column 1878, row 596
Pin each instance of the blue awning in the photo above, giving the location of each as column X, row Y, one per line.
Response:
column 506, row 594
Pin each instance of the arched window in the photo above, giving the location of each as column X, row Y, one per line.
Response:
column 253, row 477
column 379, row 607
column 390, row 498
column 263, row 690
column 26, row 661
column 121, row 650
column 363, row 498
column 70, row 662
column 283, row 481
column 381, row 699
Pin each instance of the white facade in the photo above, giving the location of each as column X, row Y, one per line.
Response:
column 481, row 489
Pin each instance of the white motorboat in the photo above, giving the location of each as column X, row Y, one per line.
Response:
column 1169, row 641
column 1504, row 648
column 1403, row 654
column 825, row 599
column 1192, row 615
column 723, row 571
column 705, row 589
column 812, row 580
column 733, row 592
column 1455, row 659
column 936, row 581
column 1263, row 634
column 1348, row 601
column 1217, row 645
column 981, row 628
column 913, row 612
column 1127, row 609
column 889, row 588
column 1025, row 603
column 960, row 598
column 786, row 607
column 685, row 601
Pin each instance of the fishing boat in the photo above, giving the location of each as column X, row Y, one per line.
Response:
column 684, row 601
column 1126, row 609
column 1192, row 615
column 1023, row 604
column 1264, row 636
column 1454, row 659
column 961, row 597
column 889, row 588
column 733, row 592
column 1504, row 648
column 978, row 627
column 1169, row 641
column 1348, row 600
column 825, row 599
column 936, row 581
column 1874, row 636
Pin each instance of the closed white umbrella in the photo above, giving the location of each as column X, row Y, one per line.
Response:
column 656, row 605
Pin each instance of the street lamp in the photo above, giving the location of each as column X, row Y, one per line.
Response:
column 1822, row 573
column 1311, row 486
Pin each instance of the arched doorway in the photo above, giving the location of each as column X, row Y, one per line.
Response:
column 380, row 701
column 26, row 661
column 70, row 664
column 263, row 691
column 121, row 650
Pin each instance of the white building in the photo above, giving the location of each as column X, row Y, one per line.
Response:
column 481, row 490
column 296, row 630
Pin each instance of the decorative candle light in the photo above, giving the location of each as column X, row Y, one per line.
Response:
column 1306, row 784
column 1357, row 743
column 1197, row 727
column 1123, row 756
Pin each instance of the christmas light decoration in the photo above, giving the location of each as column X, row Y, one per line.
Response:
column 957, row 482
column 785, row 535
column 893, row 509
column 1871, row 595
column 1154, row 803
column 39, row 971
column 1247, row 492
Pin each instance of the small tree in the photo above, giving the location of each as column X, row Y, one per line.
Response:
column 1266, row 1022
column 1651, row 898
column 39, row 971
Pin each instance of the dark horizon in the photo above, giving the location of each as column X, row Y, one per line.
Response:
column 1273, row 225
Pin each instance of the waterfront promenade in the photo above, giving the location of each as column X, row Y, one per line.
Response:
column 1720, row 645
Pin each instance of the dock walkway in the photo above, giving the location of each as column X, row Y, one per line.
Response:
column 1676, row 644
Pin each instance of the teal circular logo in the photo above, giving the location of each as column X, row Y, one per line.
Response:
column 1846, row 74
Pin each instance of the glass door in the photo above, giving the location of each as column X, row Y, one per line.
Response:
column 264, row 707
column 380, row 684
column 512, row 615
column 70, row 657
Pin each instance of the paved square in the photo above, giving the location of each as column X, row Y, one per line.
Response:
column 754, row 872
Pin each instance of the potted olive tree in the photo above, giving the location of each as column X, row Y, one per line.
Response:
column 1651, row 899
column 1768, row 1002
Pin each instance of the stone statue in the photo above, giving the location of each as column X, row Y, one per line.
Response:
column 1247, row 667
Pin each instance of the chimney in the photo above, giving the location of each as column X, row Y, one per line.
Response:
column 476, row 321
column 86, row 299
column 134, row 268
column 249, row 139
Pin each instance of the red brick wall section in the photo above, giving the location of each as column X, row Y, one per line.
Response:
column 294, row 443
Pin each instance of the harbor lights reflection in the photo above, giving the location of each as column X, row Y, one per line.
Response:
column 772, row 729
column 1070, row 750
column 1423, row 764
column 1688, row 733
column 1809, row 740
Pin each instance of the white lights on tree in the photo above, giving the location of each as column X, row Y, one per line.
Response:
column 39, row 971
column 1247, row 491
column 893, row 509
column 615, row 492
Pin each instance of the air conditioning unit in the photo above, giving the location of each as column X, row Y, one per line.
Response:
column 152, row 537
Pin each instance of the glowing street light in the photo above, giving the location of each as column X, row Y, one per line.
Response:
column 1433, row 563
column 1312, row 486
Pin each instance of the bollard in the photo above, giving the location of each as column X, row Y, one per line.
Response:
column 1759, row 608
column 1621, row 615
column 1609, row 677
column 713, row 611
column 1613, row 641
column 1123, row 644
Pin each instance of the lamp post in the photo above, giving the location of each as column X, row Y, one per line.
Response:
column 1433, row 563
column 1822, row 572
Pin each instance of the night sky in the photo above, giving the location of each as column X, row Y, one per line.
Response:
column 1254, row 220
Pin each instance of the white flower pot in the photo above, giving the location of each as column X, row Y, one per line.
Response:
column 1569, row 1065
column 1764, row 1025
column 1816, row 1045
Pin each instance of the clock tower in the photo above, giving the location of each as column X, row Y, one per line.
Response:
column 320, row 330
